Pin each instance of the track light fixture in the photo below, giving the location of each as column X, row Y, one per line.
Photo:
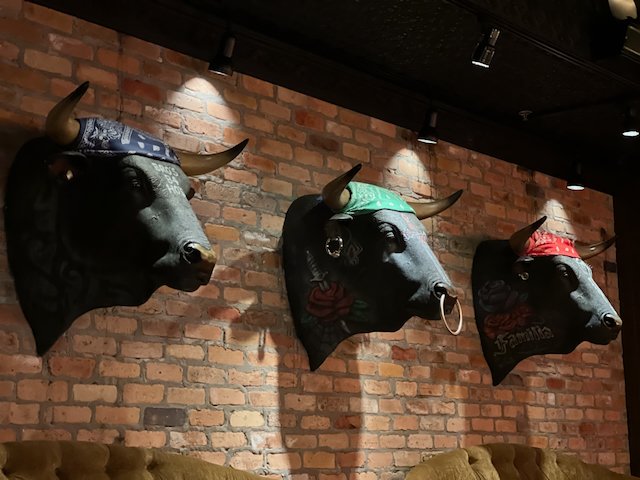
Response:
column 575, row 181
column 222, row 62
column 428, row 132
column 631, row 123
column 486, row 48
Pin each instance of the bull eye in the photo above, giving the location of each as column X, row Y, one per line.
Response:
column 563, row 271
column 393, row 242
column 137, row 183
column 567, row 277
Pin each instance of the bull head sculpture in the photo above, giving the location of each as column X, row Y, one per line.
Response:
column 356, row 259
column 97, row 214
column 534, row 294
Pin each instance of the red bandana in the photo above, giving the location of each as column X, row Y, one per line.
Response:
column 544, row 243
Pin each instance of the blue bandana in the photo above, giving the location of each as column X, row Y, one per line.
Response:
column 108, row 138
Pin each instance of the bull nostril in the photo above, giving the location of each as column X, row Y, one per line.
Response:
column 441, row 289
column 611, row 321
column 191, row 253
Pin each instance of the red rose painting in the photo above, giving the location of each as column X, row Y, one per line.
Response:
column 498, row 323
column 329, row 304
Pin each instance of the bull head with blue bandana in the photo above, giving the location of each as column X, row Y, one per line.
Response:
column 356, row 259
column 97, row 214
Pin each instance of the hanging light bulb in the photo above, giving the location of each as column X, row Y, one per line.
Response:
column 222, row 63
column 486, row 48
column 428, row 133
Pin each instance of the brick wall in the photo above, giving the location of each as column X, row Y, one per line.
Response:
column 219, row 373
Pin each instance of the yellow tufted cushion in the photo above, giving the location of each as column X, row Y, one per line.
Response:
column 504, row 461
column 50, row 460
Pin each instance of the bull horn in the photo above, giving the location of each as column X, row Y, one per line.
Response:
column 519, row 240
column 429, row 209
column 195, row 164
column 335, row 194
column 587, row 251
column 61, row 126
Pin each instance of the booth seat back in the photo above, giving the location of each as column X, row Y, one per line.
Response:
column 51, row 460
column 504, row 461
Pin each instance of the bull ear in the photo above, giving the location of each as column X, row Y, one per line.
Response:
column 429, row 209
column 66, row 167
column 335, row 194
column 587, row 251
column 194, row 164
column 520, row 239
column 61, row 126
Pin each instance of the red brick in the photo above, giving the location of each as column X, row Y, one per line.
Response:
column 117, row 415
column 17, row 364
column 320, row 459
column 141, row 349
column 69, row 366
column 275, row 110
column 162, row 328
column 94, row 345
column 162, row 73
column 146, row 394
column 145, row 439
column 239, row 215
column 47, row 63
column 185, row 396
column 187, row 439
column 71, row 414
column 226, row 396
column 246, row 418
column 48, row 17
column 164, row 372
column 112, row 368
column 206, row 418
column 95, row 393
column 284, row 461
column 223, row 112
column 142, row 90
column 275, row 148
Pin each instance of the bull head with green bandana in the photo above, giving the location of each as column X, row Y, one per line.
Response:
column 356, row 259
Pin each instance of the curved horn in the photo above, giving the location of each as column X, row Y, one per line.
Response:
column 335, row 194
column 587, row 251
column 519, row 240
column 60, row 126
column 196, row 164
column 429, row 209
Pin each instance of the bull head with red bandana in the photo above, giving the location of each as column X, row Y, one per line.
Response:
column 534, row 294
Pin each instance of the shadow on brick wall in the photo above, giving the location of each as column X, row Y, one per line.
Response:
column 314, row 425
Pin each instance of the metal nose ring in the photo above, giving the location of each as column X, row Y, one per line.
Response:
column 444, row 318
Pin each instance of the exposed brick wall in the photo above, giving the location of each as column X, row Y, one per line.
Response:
column 219, row 373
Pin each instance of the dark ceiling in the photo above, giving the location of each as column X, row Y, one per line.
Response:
column 560, row 60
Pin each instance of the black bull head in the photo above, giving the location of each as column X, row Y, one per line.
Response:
column 356, row 259
column 534, row 294
column 97, row 214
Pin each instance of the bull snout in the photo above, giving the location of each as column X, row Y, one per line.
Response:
column 611, row 321
column 194, row 253
column 200, row 258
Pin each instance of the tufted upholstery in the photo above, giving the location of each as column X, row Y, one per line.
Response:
column 504, row 461
column 49, row 460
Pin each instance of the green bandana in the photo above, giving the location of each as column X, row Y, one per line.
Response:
column 367, row 198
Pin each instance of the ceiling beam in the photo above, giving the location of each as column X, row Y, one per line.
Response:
column 260, row 56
